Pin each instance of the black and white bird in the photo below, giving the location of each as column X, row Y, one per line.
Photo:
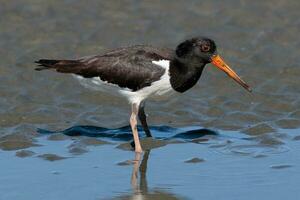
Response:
column 143, row 72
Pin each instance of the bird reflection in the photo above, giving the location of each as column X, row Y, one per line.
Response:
column 140, row 190
column 139, row 165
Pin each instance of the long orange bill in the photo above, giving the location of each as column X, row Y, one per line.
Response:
column 218, row 62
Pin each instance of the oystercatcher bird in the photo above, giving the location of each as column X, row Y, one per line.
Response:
column 142, row 71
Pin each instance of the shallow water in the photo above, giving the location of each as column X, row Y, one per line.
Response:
column 247, row 150
column 227, row 165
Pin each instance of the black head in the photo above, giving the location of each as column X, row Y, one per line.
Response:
column 197, row 52
column 199, row 49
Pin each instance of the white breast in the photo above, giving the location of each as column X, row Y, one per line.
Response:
column 159, row 90
column 163, row 63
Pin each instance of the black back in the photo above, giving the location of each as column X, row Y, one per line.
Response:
column 129, row 67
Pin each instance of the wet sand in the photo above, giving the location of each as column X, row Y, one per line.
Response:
column 216, row 141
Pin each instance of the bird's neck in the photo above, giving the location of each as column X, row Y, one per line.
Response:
column 184, row 76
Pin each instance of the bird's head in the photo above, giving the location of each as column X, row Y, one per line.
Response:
column 200, row 50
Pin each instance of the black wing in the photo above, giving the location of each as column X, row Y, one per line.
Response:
column 129, row 67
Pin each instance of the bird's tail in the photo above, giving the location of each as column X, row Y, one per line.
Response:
column 64, row 66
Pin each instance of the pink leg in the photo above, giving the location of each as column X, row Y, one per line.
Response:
column 133, row 123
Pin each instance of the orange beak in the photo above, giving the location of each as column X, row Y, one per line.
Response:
column 218, row 62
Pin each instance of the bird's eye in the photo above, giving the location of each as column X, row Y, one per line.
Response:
column 205, row 48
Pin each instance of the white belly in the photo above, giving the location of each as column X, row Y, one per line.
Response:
column 98, row 85
column 158, row 90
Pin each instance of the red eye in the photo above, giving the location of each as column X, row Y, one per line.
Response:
column 205, row 48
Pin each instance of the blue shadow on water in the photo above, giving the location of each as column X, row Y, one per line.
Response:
column 124, row 133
